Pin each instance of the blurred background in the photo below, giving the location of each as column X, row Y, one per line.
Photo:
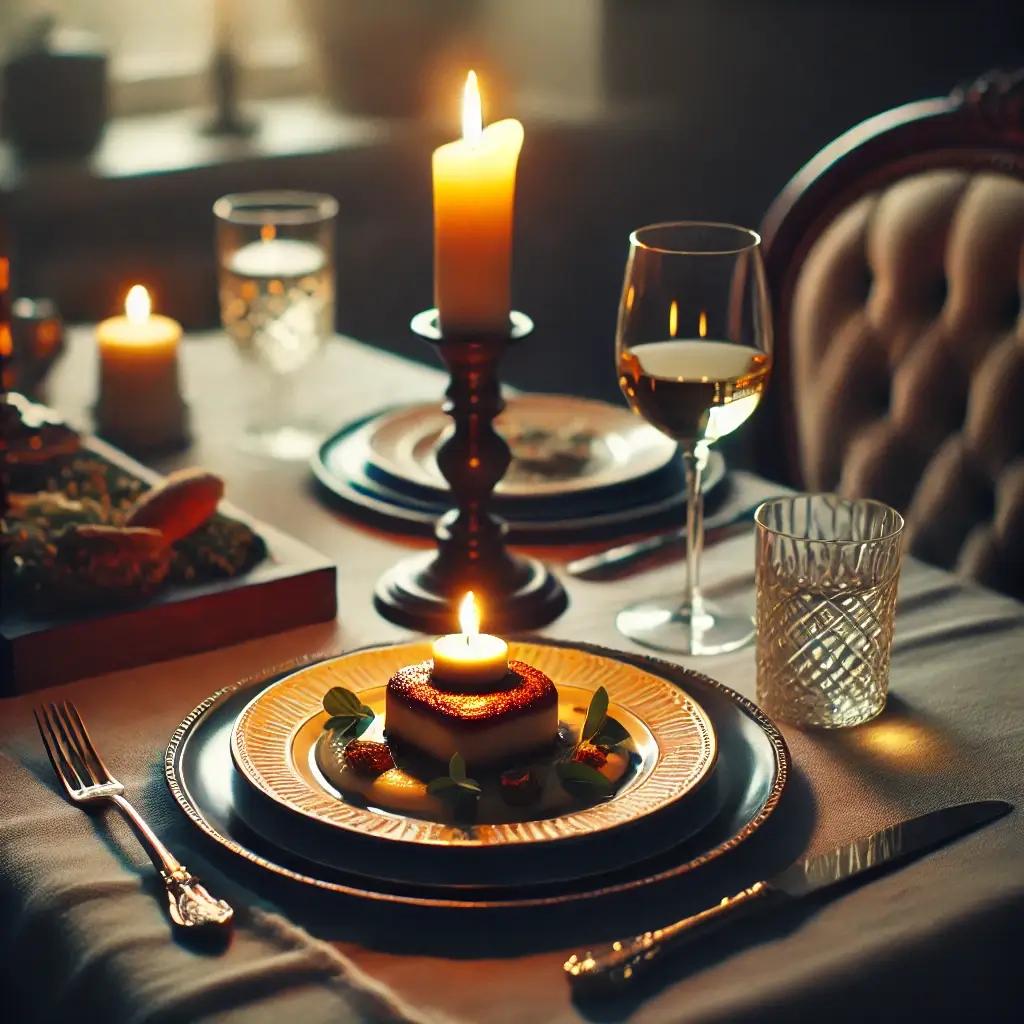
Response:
column 634, row 110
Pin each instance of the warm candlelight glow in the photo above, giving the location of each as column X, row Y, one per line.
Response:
column 268, row 232
column 469, row 660
column 469, row 615
column 474, row 190
column 673, row 319
column 137, row 304
column 140, row 401
column 472, row 110
column 702, row 324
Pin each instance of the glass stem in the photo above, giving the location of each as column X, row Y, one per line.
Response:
column 694, row 460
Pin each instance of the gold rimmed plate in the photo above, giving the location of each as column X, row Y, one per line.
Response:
column 277, row 745
column 748, row 784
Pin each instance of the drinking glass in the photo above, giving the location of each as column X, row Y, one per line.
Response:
column 693, row 348
column 275, row 258
column 827, row 573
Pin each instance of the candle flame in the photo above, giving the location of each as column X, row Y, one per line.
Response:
column 268, row 232
column 472, row 111
column 469, row 615
column 673, row 319
column 137, row 305
column 702, row 324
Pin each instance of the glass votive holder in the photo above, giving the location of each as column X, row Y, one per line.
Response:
column 275, row 256
column 827, row 570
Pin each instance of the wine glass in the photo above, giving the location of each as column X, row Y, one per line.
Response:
column 693, row 349
column 275, row 256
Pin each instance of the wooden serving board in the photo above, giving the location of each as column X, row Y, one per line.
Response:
column 293, row 586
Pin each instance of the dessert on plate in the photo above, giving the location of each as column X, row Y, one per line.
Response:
column 515, row 717
column 470, row 734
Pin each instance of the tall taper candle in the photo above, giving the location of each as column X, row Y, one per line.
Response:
column 474, row 192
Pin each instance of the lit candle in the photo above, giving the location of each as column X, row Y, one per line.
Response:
column 470, row 660
column 140, row 402
column 474, row 189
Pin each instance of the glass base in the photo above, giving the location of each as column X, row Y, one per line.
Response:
column 665, row 625
column 288, row 443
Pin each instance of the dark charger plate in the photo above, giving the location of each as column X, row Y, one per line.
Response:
column 344, row 470
column 751, row 773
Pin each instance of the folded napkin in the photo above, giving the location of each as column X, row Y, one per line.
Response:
column 84, row 933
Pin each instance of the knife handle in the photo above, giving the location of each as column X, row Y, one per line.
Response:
column 607, row 969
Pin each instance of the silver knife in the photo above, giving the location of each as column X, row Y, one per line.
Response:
column 612, row 561
column 609, row 968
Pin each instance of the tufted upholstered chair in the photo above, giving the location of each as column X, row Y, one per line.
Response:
column 896, row 259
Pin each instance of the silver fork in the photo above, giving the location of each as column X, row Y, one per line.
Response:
column 88, row 780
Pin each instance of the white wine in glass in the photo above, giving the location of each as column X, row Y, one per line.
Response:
column 694, row 390
column 693, row 349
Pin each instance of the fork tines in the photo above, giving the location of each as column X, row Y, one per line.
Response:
column 70, row 748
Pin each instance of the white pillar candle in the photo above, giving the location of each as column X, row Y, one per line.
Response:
column 140, row 403
column 469, row 660
column 474, row 191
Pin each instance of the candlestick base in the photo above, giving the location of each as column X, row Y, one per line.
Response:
column 424, row 591
column 417, row 594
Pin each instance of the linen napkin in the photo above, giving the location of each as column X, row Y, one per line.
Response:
column 84, row 933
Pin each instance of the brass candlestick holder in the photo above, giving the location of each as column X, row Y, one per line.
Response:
column 423, row 591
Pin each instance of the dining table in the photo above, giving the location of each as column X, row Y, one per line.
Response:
column 84, row 933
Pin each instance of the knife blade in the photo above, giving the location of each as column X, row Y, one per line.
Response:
column 614, row 561
column 609, row 968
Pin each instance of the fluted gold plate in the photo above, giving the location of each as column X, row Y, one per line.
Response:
column 274, row 737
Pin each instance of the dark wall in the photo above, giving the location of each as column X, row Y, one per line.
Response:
column 712, row 107
column 754, row 88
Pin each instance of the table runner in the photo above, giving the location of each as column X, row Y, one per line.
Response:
column 940, row 935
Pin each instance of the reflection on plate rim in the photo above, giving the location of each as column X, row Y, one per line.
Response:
column 262, row 749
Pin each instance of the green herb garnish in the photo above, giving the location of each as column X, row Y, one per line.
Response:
column 576, row 776
column 582, row 780
column 596, row 714
column 456, row 788
column 348, row 713
column 598, row 728
column 455, row 783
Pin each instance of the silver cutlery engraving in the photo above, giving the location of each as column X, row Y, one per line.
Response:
column 609, row 968
column 87, row 780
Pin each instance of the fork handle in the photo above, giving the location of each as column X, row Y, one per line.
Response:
column 188, row 902
column 608, row 968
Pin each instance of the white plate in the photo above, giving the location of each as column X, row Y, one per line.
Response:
column 560, row 445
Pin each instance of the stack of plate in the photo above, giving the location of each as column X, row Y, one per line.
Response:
column 580, row 469
column 708, row 769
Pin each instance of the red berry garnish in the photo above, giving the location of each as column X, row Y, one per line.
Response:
column 369, row 758
column 590, row 754
column 519, row 786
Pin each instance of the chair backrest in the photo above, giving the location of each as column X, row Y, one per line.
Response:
column 896, row 263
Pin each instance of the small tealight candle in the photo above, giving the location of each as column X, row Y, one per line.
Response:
column 140, row 403
column 470, row 660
